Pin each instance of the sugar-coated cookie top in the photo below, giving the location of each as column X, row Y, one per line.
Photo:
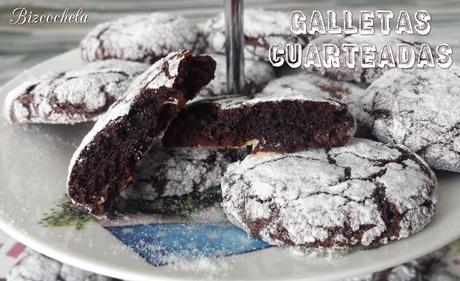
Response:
column 140, row 38
column 312, row 192
column 71, row 96
column 179, row 171
column 257, row 23
column 420, row 108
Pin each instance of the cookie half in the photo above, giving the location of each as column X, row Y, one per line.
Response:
column 179, row 171
column 144, row 38
column 358, row 73
column 348, row 93
column 103, row 164
column 362, row 194
column 284, row 121
column 420, row 108
column 262, row 28
column 72, row 96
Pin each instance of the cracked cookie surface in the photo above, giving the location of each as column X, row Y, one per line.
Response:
column 362, row 194
column 420, row 109
column 144, row 38
column 179, row 171
column 72, row 96
column 262, row 28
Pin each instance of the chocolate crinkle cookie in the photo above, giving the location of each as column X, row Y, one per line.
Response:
column 37, row 267
column 426, row 268
column 362, row 194
column 262, row 28
column 144, row 38
column 104, row 162
column 282, row 121
column 179, row 171
column 358, row 73
column 256, row 76
column 71, row 96
column 420, row 109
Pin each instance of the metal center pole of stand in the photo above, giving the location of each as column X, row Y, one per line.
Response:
column 234, row 45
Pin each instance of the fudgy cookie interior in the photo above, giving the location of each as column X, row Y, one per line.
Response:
column 281, row 126
column 112, row 155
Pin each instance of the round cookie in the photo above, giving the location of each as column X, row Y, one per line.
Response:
column 72, row 96
column 35, row 266
column 144, row 38
column 426, row 268
column 256, row 76
column 285, row 121
column 348, row 93
column 420, row 109
column 358, row 73
column 362, row 194
column 179, row 171
column 262, row 28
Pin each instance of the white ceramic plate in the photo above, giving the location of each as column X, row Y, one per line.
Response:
column 33, row 167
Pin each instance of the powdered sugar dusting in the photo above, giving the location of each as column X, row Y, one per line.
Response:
column 140, row 38
column 420, row 109
column 72, row 96
column 179, row 171
column 334, row 198
column 212, row 267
